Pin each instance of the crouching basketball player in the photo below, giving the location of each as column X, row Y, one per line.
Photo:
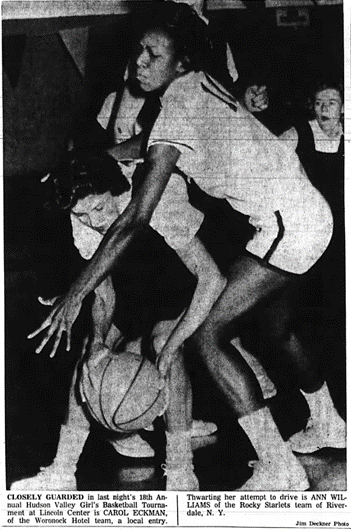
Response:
column 94, row 191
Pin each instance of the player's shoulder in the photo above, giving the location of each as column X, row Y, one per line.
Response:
column 289, row 134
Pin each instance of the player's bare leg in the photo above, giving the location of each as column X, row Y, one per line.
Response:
column 325, row 427
column 179, row 468
column 248, row 283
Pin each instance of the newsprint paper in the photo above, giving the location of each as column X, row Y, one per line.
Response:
column 239, row 164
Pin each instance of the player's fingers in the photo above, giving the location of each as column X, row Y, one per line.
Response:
column 253, row 89
column 263, row 106
column 57, row 342
column 43, row 326
column 45, row 340
column 260, row 98
column 68, row 338
column 49, row 301
column 261, row 89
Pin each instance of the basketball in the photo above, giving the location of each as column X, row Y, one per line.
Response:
column 123, row 392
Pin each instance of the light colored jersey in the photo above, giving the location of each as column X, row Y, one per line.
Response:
column 231, row 155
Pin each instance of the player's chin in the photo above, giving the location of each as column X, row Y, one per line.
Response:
column 145, row 85
column 146, row 88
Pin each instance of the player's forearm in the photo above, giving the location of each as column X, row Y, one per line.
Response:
column 205, row 295
column 127, row 150
column 209, row 287
column 102, row 310
column 110, row 251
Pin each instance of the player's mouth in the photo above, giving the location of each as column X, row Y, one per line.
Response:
column 141, row 77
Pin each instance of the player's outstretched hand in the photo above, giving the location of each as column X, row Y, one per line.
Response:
column 60, row 319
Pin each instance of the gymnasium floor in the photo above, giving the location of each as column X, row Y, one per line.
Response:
column 219, row 465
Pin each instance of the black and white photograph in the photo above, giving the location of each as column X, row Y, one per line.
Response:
column 174, row 246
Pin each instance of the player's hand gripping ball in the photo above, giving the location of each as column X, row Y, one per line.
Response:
column 123, row 392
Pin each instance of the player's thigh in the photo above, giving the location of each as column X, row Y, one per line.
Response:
column 277, row 314
column 249, row 282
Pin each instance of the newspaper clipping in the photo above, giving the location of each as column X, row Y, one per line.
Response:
column 175, row 263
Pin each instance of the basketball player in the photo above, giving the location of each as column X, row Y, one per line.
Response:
column 95, row 192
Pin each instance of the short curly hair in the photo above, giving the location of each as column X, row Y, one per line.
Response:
column 324, row 84
column 187, row 30
column 78, row 175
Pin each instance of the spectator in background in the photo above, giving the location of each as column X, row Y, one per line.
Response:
column 319, row 143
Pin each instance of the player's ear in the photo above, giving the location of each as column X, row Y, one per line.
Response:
column 183, row 65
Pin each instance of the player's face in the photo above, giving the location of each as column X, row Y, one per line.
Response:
column 97, row 211
column 328, row 108
column 155, row 65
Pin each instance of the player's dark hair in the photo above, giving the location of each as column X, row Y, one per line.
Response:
column 186, row 29
column 79, row 174
column 325, row 84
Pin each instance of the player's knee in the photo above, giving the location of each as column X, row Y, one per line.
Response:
column 208, row 337
column 279, row 330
